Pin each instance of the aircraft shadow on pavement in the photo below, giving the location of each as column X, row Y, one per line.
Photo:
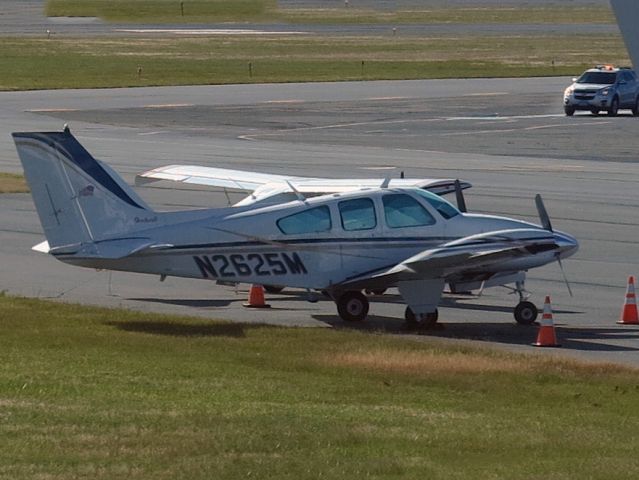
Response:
column 176, row 329
column 186, row 302
column 584, row 338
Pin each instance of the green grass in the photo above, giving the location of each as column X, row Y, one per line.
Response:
column 30, row 63
column 95, row 393
column 202, row 11
column 12, row 183
column 164, row 11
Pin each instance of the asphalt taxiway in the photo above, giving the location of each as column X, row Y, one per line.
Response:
column 508, row 137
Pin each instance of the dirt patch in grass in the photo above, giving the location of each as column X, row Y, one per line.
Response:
column 12, row 183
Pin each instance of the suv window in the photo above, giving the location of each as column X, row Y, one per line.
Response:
column 358, row 214
column 602, row 78
column 401, row 210
column 313, row 220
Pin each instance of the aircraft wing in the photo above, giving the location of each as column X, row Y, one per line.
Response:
column 213, row 177
column 471, row 254
column 264, row 184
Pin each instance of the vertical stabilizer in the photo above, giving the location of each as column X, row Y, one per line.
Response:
column 78, row 200
column 627, row 13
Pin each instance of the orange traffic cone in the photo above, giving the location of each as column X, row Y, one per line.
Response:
column 256, row 298
column 629, row 309
column 546, row 336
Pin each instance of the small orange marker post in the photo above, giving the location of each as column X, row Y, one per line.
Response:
column 629, row 314
column 546, row 336
column 256, row 298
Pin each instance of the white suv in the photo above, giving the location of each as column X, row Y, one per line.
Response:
column 603, row 88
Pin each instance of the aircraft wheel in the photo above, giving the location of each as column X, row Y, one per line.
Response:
column 525, row 313
column 273, row 288
column 426, row 320
column 352, row 306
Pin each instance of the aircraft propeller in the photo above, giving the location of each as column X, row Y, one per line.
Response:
column 545, row 222
column 459, row 196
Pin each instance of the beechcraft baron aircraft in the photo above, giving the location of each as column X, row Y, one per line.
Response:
column 339, row 243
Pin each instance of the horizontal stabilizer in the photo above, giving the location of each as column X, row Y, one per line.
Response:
column 110, row 249
column 42, row 247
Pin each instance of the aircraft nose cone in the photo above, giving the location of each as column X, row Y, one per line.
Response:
column 568, row 245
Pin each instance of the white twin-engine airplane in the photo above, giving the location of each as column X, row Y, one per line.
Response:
column 339, row 243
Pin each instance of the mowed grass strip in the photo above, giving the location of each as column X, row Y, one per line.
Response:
column 96, row 393
column 165, row 11
column 30, row 63
column 12, row 183
column 214, row 11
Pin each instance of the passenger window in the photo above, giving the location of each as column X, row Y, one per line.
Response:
column 309, row 221
column 358, row 214
column 402, row 210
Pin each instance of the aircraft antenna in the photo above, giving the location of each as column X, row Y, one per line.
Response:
column 298, row 194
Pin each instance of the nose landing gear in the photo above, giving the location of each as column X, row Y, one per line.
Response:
column 525, row 312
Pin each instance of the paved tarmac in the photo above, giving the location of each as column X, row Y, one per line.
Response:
column 508, row 137
column 26, row 17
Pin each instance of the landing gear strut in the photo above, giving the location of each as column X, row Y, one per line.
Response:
column 352, row 306
column 525, row 312
column 423, row 320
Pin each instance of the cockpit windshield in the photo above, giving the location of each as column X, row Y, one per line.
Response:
column 600, row 78
column 445, row 208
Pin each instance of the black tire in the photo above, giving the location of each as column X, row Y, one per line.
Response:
column 614, row 107
column 569, row 111
column 594, row 111
column 427, row 321
column 273, row 288
column 525, row 313
column 352, row 306
column 635, row 107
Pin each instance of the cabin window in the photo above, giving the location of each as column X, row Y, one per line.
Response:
column 358, row 214
column 312, row 220
column 446, row 209
column 401, row 210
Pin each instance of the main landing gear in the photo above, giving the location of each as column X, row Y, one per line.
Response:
column 525, row 312
column 352, row 306
column 421, row 320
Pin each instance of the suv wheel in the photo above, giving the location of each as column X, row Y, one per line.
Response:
column 570, row 111
column 635, row 108
column 614, row 107
column 594, row 111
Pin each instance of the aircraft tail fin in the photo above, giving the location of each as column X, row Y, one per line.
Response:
column 78, row 198
column 627, row 13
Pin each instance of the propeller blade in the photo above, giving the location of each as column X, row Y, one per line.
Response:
column 543, row 214
column 563, row 273
column 459, row 195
